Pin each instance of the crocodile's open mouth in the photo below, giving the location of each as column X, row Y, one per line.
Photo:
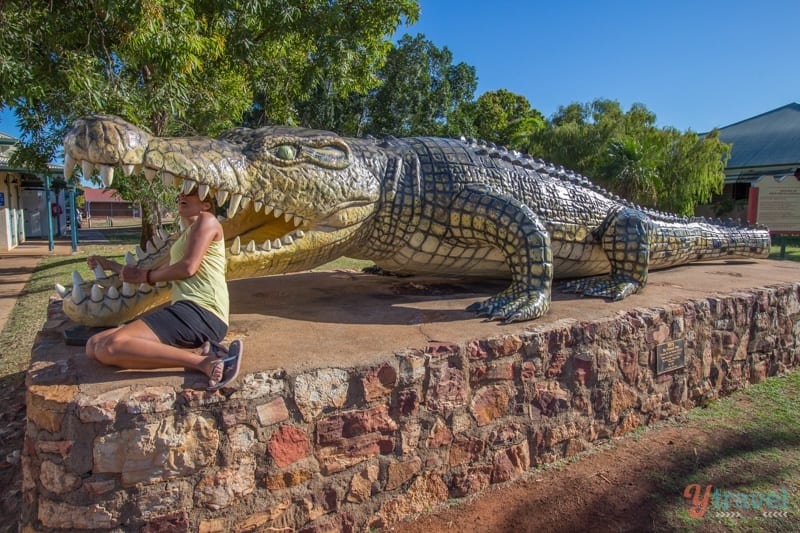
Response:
column 263, row 234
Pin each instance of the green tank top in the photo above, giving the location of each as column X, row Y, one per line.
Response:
column 208, row 287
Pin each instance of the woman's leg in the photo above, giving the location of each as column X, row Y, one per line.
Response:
column 135, row 346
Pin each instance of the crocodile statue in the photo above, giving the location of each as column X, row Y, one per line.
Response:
column 297, row 198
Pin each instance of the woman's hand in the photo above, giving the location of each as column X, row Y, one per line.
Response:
column 105, row 264
column 133, row 274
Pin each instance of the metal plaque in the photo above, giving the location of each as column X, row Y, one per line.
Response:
column 670, row 356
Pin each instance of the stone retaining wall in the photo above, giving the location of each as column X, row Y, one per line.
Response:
column 341, row 449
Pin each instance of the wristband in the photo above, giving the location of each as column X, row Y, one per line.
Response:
column 147, row 277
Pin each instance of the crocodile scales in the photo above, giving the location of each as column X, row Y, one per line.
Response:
column 299, row 198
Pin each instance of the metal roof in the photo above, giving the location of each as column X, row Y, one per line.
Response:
column 771, row 139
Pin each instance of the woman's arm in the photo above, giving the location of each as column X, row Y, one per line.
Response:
column 204, row 230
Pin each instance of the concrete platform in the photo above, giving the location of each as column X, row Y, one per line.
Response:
column 352, row 319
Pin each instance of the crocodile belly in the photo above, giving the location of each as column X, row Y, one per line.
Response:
column 433, row 256
column 578, row 259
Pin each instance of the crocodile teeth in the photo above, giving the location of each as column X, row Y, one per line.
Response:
column 267, row 246
column 222, row 195
column 161, row 284
column 150, row 174
column 87, row 167
column 299, row 234
column 144, row 288
column 258, row 205
column 107, row 174
column 76, row 278
column 163, row 233
column 288, row 240
column 287, row 217
column 188, row 186
column 141, row 254
column 128, row 169
column 151, row 248
column 77, row 294
column 277, row 212
column 297, row 221
column 167, row 178
column 157, row 240
column 236, row 247
column 129, row 259
column 69, row 166
column 99, row 273
column 113, row 293
column 277, row 244
column 245, row 203
column 267, row 209
column 61, row 290
column 202, row 191
column 251, row 246
column 233, row 207
column 97, row 293
column 128, row 289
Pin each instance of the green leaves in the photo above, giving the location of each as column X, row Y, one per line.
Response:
column 624, row 151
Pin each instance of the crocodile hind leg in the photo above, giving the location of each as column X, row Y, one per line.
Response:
column 626, row 243
column 507, row 224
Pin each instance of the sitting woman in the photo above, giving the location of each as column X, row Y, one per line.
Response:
column 186, row 333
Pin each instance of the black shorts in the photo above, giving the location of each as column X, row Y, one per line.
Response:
column 185, row 324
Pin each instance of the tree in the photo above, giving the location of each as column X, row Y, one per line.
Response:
column 506, row 119
column 420, row 90
column 692, row 170
column 627, row 153
column 180, row 67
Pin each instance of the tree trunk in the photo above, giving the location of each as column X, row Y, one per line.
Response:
column 150, row 221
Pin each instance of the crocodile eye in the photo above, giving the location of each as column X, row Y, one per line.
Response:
column 286, row 152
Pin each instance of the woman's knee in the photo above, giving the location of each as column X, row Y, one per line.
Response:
column 105, row 348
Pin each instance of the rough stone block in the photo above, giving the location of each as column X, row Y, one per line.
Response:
column 288, row 445
column 471, row 481
column 379, row 382
column 508, row 464
column 490, row 403
column 220, row 489
column 322, row 389
column 447, row 390
column 399, row 472
column 47, row 405
column 157, row 451
column 273, row 412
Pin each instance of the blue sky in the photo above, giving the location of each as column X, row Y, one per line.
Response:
column 696, row 64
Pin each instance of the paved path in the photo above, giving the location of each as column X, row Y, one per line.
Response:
column 17, row 265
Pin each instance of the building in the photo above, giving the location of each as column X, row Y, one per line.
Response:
column 765, row 145
column 29, row 201
column 104, row 203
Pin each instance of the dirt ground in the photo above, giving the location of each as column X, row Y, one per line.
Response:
column 619, row 487
column 12, row 434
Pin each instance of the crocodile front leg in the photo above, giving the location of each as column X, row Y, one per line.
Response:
column 501, row 221
column 626, row 243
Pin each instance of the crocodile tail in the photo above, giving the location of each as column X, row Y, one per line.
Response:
column 677, row 242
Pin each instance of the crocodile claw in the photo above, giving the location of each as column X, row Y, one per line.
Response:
column 515, row 304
